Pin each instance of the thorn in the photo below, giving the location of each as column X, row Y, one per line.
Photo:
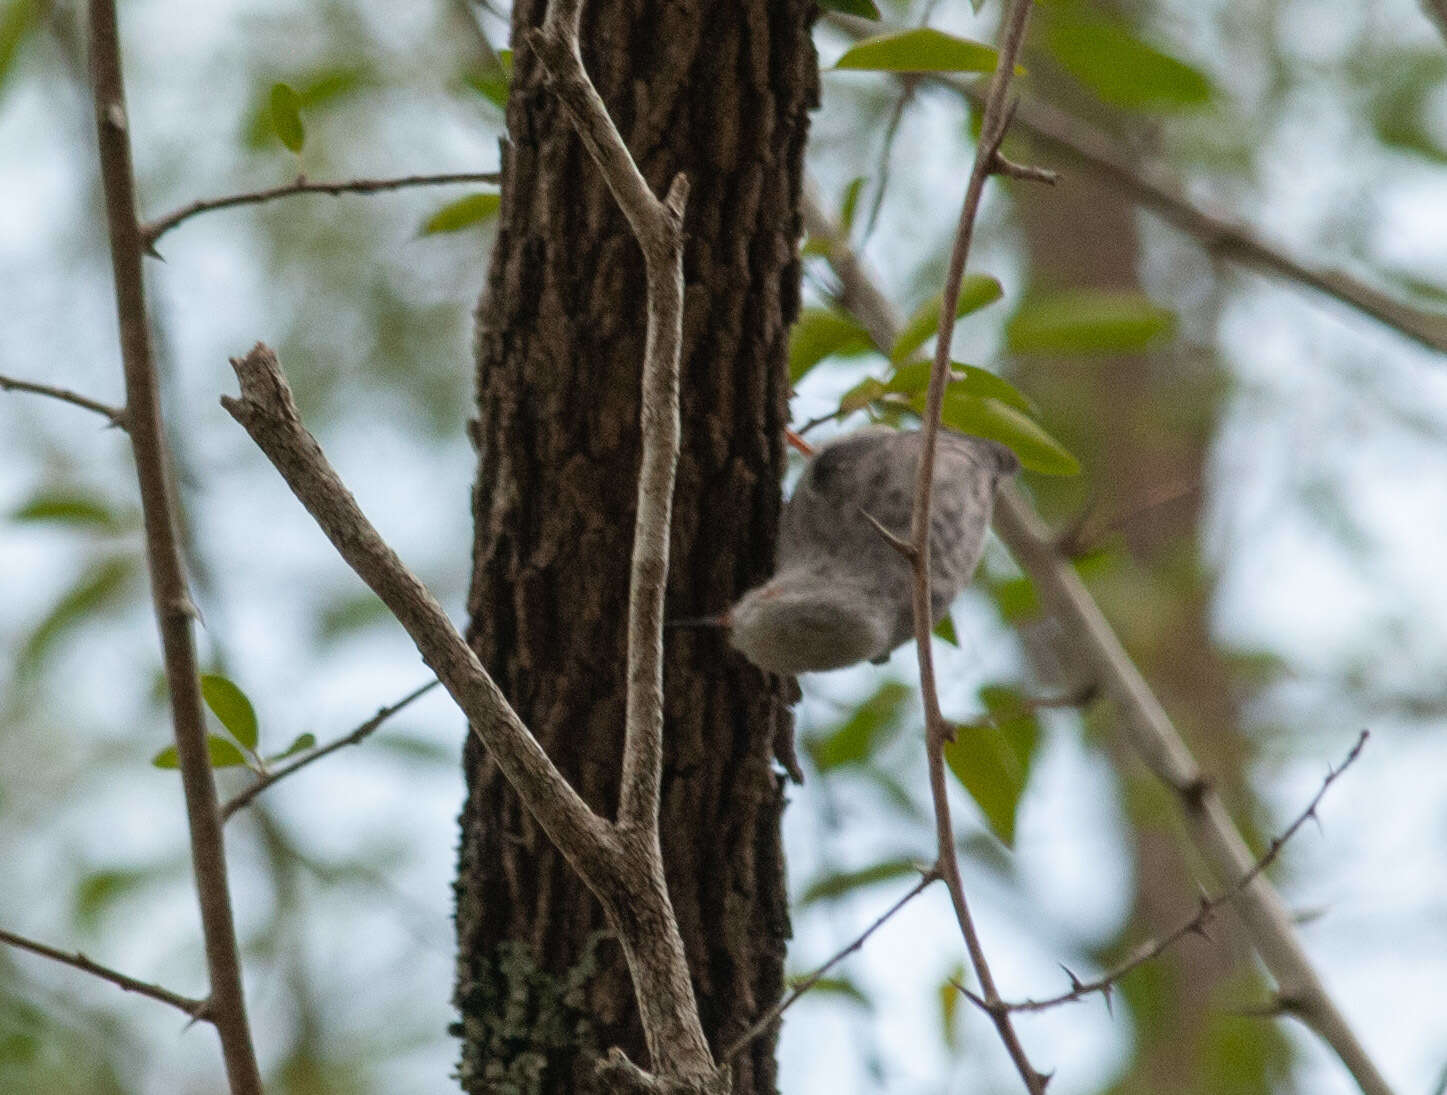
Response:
column 1075, row 983
column 1027, row 172
column 1108, row 991
column 904, row 547
column 798, row 442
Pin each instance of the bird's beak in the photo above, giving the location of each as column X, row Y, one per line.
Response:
column 719, row 621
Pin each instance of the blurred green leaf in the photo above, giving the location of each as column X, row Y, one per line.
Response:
column 223, row 754
column 1106, row 55
column 315, row 90
column 302, row 743
column 1087, row 321
column 865, row 9
column 1402, row 94
column 921, row 50
column 849, row 203
column 286, row 116
column 69, row 508
column 350, row 612
column 97, row 891
column 18, row 20
column 856, row 739
column 949, row 997
column 912, row 379
column 838, row 986
column 493, row 82
column 463, row 213
column 230, row 704
column 1015, row 598
column 821, row 333
column 839, row 883
column 976, row 291
column 993, row 761
column 945, row 630
column 99, row 588
column 997, row 421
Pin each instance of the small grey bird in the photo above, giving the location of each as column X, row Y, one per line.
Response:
column 841, row 593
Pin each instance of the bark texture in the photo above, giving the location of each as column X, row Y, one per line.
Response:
column 721, row 92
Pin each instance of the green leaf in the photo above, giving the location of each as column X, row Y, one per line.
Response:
column 315, row 91
column 838, row 986
column 1016, row 599
column 913, row 379
column 839, row 883
column 992, row 760
column 1105, row 55
column 99, row 588
column 945, row 630
column 223, row 754
column 1087, row 321
column 18, row 20
column 302, row 743
column 229, row 704
column 849, row 203
column 821, row 333
column 463, row 213
column 493, row 82
column 286, row 116
column 949, row 997
column 857, row 738
column 976, row 291
column 100, row 889
column 69, row 508
column 921, row 50
column 997, row 421
column 865, row 9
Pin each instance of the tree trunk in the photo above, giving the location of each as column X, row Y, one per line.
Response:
column 719, row 91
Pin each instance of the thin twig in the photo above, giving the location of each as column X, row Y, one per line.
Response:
column 194, row 1008
column 770, row 1017
column 1155, row 189
column 170, row 595
column 116, row 415
column 1151, row 733
column 937, row 732
column 154, row 230
column 356, row 737
column 1196, row 925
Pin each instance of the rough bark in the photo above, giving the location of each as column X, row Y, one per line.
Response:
column 720, row 92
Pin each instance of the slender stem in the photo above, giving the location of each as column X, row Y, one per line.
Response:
column 770, row 1017
column 244, row 798
column 116, row 415
column 994, row 123
column 168, row 581
column 196, row 1009
column 157, row 228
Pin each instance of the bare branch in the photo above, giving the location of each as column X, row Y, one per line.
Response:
column 770, row 1017
column 116, row 415
column 163, row 555
column 1151, row 733
column 268, row 413
column 1196, row 925
column 195, row 1009
column 157, row 228
column 937, row 732
column 356, row 737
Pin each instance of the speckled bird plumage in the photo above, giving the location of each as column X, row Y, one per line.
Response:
column 842, row 594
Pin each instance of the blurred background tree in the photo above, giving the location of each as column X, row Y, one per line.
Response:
column 1262, row 494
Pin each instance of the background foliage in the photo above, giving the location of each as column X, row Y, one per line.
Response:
column 1262, row 470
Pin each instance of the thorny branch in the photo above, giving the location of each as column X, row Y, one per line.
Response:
column 995, row 122
column 157, row 228
column 244, row 798
column 196, row 1009
column 169, row 589
column 1196, row 925
column 1152, row 735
